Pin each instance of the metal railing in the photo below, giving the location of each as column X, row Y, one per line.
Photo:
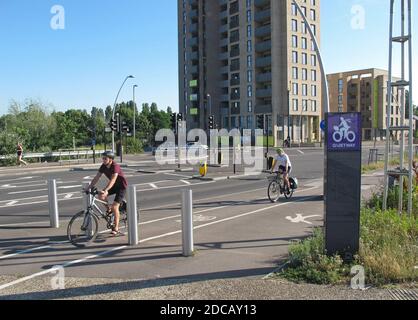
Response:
column 64, row 156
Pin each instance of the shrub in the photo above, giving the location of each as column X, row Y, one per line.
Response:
column 388, row 247
column 388, row 253
column 308, row 262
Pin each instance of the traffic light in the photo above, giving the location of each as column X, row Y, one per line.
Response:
column 113, row 125
column 211, row 122
column 118, row 123
column 173, row 121
column 260, row 122
column 180, row 117
column 125, row 127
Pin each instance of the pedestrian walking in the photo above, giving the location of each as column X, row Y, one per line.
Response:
column 20, row 155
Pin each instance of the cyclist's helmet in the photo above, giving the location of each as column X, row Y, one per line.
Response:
column 108, row 154
column 280, row 151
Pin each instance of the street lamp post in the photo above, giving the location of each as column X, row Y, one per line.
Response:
column 114, row 109
column 134, row 124
column 301, row 124
column 318, row 53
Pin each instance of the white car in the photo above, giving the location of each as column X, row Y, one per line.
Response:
column 196, row 145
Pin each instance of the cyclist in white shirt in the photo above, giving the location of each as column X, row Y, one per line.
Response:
column 282, row 163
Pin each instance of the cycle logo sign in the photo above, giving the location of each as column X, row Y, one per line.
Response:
column 344, row 132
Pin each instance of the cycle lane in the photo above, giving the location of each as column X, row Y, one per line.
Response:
column 154, row 241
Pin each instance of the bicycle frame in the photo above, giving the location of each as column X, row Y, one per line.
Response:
column 92, row 205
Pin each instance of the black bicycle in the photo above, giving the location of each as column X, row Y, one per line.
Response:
column 277, row 187
column 83, row 227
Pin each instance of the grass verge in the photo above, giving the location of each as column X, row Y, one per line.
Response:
column 388, row 253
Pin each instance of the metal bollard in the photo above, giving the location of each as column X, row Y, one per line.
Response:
column 132, row 217
column 53, row 203
column 187, row 222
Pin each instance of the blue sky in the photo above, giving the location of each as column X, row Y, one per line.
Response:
column 105, row 40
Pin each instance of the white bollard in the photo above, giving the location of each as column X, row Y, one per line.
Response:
column 132, row 217
column 53, row 203
column 187, row 222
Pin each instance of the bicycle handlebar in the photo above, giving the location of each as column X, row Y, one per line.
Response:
column 92, row 191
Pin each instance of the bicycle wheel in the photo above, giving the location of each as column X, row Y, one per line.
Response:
column 82, row 229
column 288, row 194
column 274, row 191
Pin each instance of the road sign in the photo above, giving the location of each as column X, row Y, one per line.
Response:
column 323, row 125
column 343, row 184
column 344, row 132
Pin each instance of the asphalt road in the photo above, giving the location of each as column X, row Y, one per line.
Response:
column 23, row 199
column 238, row 232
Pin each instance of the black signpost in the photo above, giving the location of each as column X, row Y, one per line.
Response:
column 343, row 183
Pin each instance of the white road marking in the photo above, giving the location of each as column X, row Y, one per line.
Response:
column 24, row 251
column 200, row 218
column 27, row 191
column 159, row 220
column 7, row 285
column 177, row 175
column 18, row 179
column 25, row 183
column 148, row 183
column 148, row 209
column 301, row 152
column 30, row 223
column 301, row 219
column 11, row 203
column 204, row 199
column 70, row 187
column 20, row 186
column 186, row 182
column 153, row 185
column 38, row 190
column 69, row 196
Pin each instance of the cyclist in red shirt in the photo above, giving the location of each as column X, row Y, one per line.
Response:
column 117, row 185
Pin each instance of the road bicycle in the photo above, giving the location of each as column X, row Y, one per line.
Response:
column 277, row 187
column 83, row 227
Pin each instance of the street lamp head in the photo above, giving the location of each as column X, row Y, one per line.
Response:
column 136, row 86
column 131, row 77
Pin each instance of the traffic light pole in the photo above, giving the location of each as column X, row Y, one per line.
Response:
column 266, row 124
column 178, row 145
column 119, row 131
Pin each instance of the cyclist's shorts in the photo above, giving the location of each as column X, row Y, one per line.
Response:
column 119, row 192
column 283, row 169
